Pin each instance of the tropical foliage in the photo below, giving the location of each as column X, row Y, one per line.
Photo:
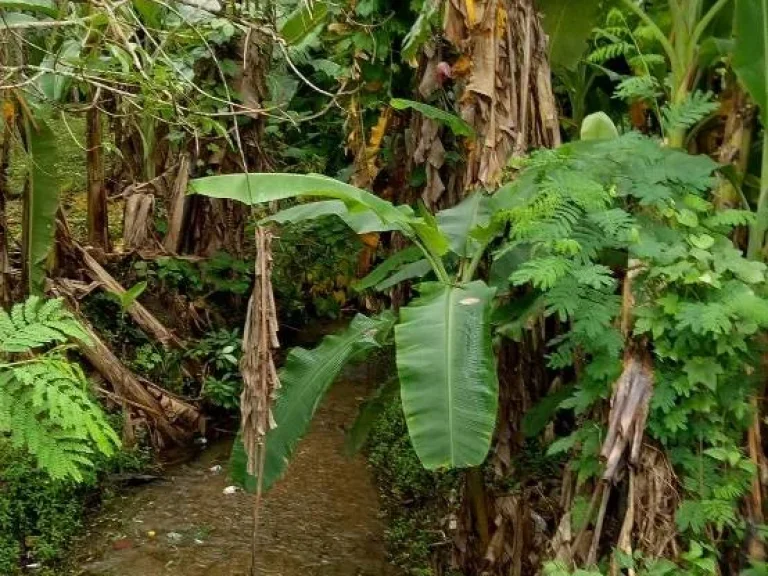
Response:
column 46, row 406
column 549, row 217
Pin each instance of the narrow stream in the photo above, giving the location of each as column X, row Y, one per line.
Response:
column 323, row 518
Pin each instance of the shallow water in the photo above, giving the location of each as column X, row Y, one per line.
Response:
column 322, row 519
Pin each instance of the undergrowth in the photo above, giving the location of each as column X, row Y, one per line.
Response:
column 419, row 504
column 39, row 516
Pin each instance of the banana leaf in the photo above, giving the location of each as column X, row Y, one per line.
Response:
column 750, row 55
column 460, row 222
column 41, row 202
column 568, row 25
column 447, row 369
column 257, row 188
column 418, row 269
column 305, row 378
column 456, row 124
column 361, row 222
column 302, row 21
column 390, row 265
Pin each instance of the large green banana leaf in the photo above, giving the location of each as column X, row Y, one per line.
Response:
column 388, row 267
column 447, row 372
column 750, row 55
column 410, row 271
column 750, row 62
column 41, row 202
column 257, row 188
column 305, row 379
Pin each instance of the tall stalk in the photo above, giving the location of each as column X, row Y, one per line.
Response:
column 98, row 228
column 5, row 159
column 760, row 225
column 757, row 85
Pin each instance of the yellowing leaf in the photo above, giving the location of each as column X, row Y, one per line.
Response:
column 8, row 111
column 471, row 13
column 371, row 239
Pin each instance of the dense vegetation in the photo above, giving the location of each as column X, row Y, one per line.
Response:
column 546, row 218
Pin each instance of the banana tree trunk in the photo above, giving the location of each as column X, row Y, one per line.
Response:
column 5, row 161
column 504, row 92
column 98, row 222
column 213, row 225
column 505, row 79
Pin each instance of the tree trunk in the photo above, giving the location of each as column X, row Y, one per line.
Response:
column 5, row 161
column 177, row 202
column 506, row 86
column 504, row 92
column 98, row 220
column 214, row 225
column 139, row 223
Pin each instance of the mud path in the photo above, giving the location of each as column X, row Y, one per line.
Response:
column 321, row 519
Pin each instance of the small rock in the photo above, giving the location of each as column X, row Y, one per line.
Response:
column 230, row 490
column 215, row 469
column 174, row 536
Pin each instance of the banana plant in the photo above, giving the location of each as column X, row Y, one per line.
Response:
column 444, row 354
column 750, row 61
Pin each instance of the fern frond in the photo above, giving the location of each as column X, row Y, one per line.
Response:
column 730, row 219
column 642, row 63
column 603, row 54
column 687, row 114
column 45, row 407
column 642, row 87
column 542, row 273
column 32, row 325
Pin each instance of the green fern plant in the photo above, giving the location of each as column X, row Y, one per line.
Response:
column 686, row 114
column 578, row 216
column 45, row 406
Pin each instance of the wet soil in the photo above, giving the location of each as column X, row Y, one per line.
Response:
column 322, row 519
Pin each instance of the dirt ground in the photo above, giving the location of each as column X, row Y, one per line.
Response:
column 322, row 519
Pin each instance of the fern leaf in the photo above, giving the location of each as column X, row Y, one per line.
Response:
column 690, row 112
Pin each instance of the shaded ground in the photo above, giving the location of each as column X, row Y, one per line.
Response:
column 321, row 519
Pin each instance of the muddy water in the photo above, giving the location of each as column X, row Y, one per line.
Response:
column 321, row 519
